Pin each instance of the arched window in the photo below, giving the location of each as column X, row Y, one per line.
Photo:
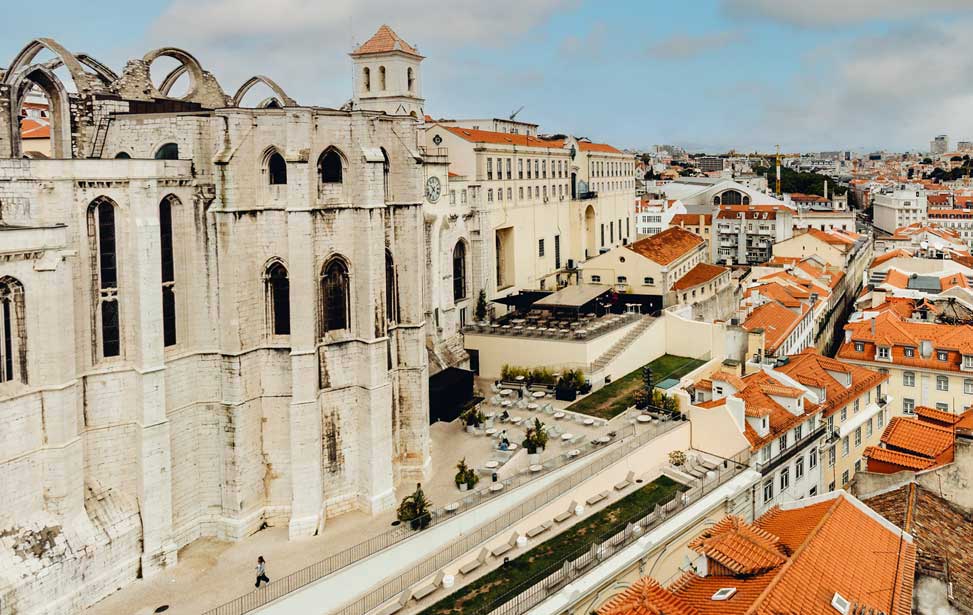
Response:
column 104, row 265
column 122, row 156
column 367, row 79
column 732, row 197
column 169, row 151
column 411, row 75
column 391, row 289
column 386, row 173
column 278, row 298
column 334, row 296
column 459, row 271
column 168, row 271
column 381, row 77
column 329, row 167
column 13, row 341
column 276, row 169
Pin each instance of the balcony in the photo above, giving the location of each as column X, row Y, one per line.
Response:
column 782, row 457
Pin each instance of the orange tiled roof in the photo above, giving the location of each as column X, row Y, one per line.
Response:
column 889, row 329
column 739, row 546
column 691, row 219
column 811, row 368
column 803, row 555
column 797, row 196
column 704, row 385
column 732, row 379
column 474, row 135
column 777, row 322
column 383, row 41
column 757, row 403
column 667, row 246
column 32, row 129
column 700, row 274
column 881, row 258
column 946, row 419
column 909, row 462
column 839, row 240
column 588, row 146
column 918, row 437
column 780, row 390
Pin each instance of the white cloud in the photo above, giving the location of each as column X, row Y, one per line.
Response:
column 829, row 13
column 897, row 89
column 687, row 46
column 303, row 44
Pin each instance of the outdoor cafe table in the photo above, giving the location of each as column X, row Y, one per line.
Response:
column 491, row 465
column 566, row 436
column 506, row 392
column 643, row 418
column 559, row 415
column 538, row 394
column 496, row 487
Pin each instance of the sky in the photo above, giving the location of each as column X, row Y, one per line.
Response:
column 708, row 75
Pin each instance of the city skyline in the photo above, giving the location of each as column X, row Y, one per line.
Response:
column 823, row 79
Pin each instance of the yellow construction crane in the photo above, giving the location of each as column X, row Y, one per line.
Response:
column 777, row 191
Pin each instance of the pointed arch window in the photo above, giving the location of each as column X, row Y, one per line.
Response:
column 276, row 169
column 411, row 75
column 278, row 298
column 168, row 271
column 101, row 238
column 381, row 78
column 459, row 271
column 386, row 175
column 391, row 289
column 335, row 302
column 367, row 79
column 13, row 340
column 329, row 167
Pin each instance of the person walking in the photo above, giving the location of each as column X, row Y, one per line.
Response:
column 261, row 571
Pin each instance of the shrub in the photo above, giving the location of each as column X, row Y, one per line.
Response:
column 480, row 311
column 414, row 509
column 473, row 417
column 465, row 474
column 677, row 458
column 535, row 438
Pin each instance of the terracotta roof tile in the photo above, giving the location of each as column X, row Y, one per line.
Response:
column 667, row 246
column 797, row 560
column 777, row 322
column 811, row 368
column 700, row 274
column 383, row 41
column 889, row 329
column 587, row 146
column 691, row 219
column 917, row 437
column 474, row 135
column 906, row 461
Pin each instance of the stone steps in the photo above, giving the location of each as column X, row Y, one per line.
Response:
column 622, row 344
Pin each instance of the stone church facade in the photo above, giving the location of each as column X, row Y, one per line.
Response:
column 211, row 315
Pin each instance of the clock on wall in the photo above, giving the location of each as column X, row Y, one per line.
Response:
column 433, row 189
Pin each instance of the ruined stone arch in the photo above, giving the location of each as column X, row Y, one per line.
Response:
column 83, row 81
column 281, row 95
column 189, row 63
column 332, row 166
column 106, row 75
column 60, row 115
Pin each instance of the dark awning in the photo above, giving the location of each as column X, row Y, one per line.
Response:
column 523, row 299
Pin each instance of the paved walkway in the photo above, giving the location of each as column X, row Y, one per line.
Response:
column 211, row 572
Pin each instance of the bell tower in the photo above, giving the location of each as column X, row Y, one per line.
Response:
column 387, row 75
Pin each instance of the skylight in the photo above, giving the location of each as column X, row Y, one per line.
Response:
column 724, row 593
column 840, row 604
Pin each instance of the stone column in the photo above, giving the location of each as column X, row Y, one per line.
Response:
column 145, row 347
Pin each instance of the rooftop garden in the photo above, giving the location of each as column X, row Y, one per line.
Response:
column 505, row 582
column 615, row 397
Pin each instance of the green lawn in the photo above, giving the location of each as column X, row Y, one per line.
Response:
column 503, row 581
column 613, row 399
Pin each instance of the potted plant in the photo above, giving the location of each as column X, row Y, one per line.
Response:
column 535, row 440
column 466, row 477
column 414, row 509
column 480, row 311
column 677, row 458
column 473, row 418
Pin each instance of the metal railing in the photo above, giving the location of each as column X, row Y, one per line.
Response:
column 314, row 572
column 548, row 582
column 395, row 585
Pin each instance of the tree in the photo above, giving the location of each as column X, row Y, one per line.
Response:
column 480, row 311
